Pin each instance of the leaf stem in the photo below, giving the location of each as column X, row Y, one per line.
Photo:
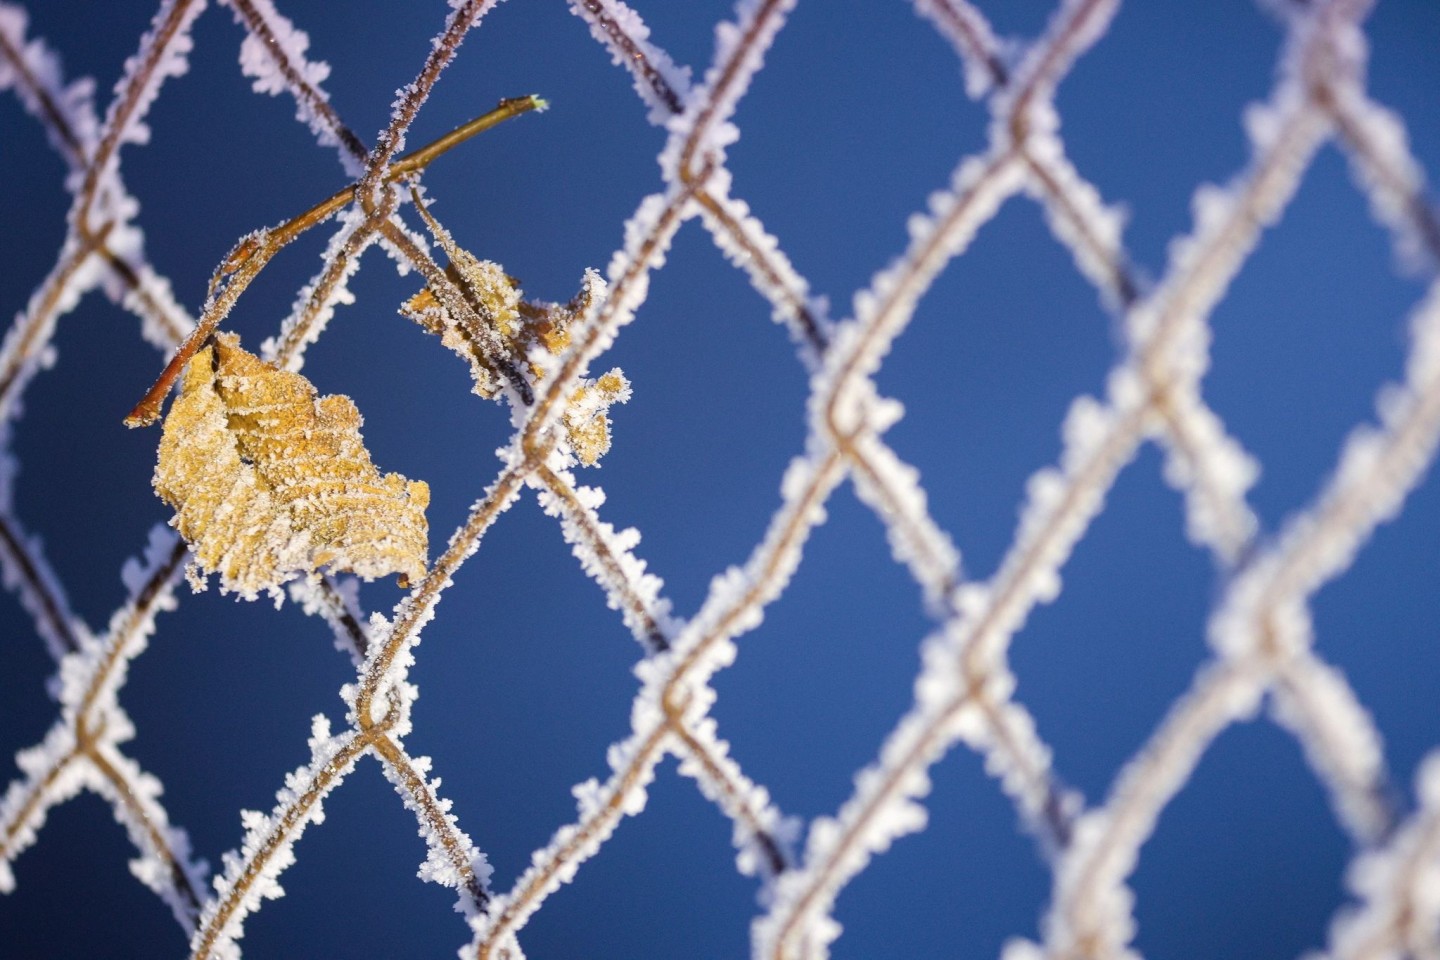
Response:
column 266, row 244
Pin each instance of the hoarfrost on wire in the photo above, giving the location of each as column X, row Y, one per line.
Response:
column 1260, row 631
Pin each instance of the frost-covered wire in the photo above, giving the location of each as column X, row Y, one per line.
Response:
column 1260, row 631
column 273, row 56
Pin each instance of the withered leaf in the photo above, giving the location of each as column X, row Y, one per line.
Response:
column 269, row 481
column 480, row 312
column 587, row 415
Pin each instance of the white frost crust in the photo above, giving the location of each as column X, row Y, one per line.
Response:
column 648, row 235
column 1170, row 335
column 1285, row 133
column 1099, row 440
column 772, row 275
column 351, row 219
column 1075, row 26
column 261, row 831
column 259, row 60
column 886, row 803
column 390, row 687
column 438, row 867
column 1341, row 742
column 164, row 323
column 95, row 673
column 88, row 680
column 51, row 773
column 1377, row 469
column 634, row 32
column 601, row 808
column 464, row 14
column 740, row 48
column 41, row 87
column 1092, row 904
column 154, row 867
column 746, row 803
column 1385, row 169
column 27, row 347
column 1213, row 472
column 1396, row 886
column 882, row 311
column 633, row 579
column 892, row 489
column 1082, row 221
column 705, row 646
column 973, row 39
column 334, row 606
column 136, row 90
column 25, row 572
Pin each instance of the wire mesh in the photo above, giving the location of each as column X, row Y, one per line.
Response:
column 1260, row 634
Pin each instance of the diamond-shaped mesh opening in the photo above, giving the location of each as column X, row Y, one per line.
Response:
column 1101, row 666
column 1188, row 72
column 1291, row 337
column 1248, row 840
column 820, row 681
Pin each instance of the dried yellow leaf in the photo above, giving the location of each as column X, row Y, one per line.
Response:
column 269, row 482
column 480, row 312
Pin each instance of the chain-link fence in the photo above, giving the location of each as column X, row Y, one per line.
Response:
column 847, row 692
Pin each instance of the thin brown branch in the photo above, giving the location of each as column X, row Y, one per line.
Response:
column 250, row 256
column 442, row 52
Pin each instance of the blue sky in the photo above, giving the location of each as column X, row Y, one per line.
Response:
column 525, row 677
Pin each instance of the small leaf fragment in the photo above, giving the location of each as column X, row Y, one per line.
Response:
column 480, row 312
column 587, row 416
column 269, row 481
